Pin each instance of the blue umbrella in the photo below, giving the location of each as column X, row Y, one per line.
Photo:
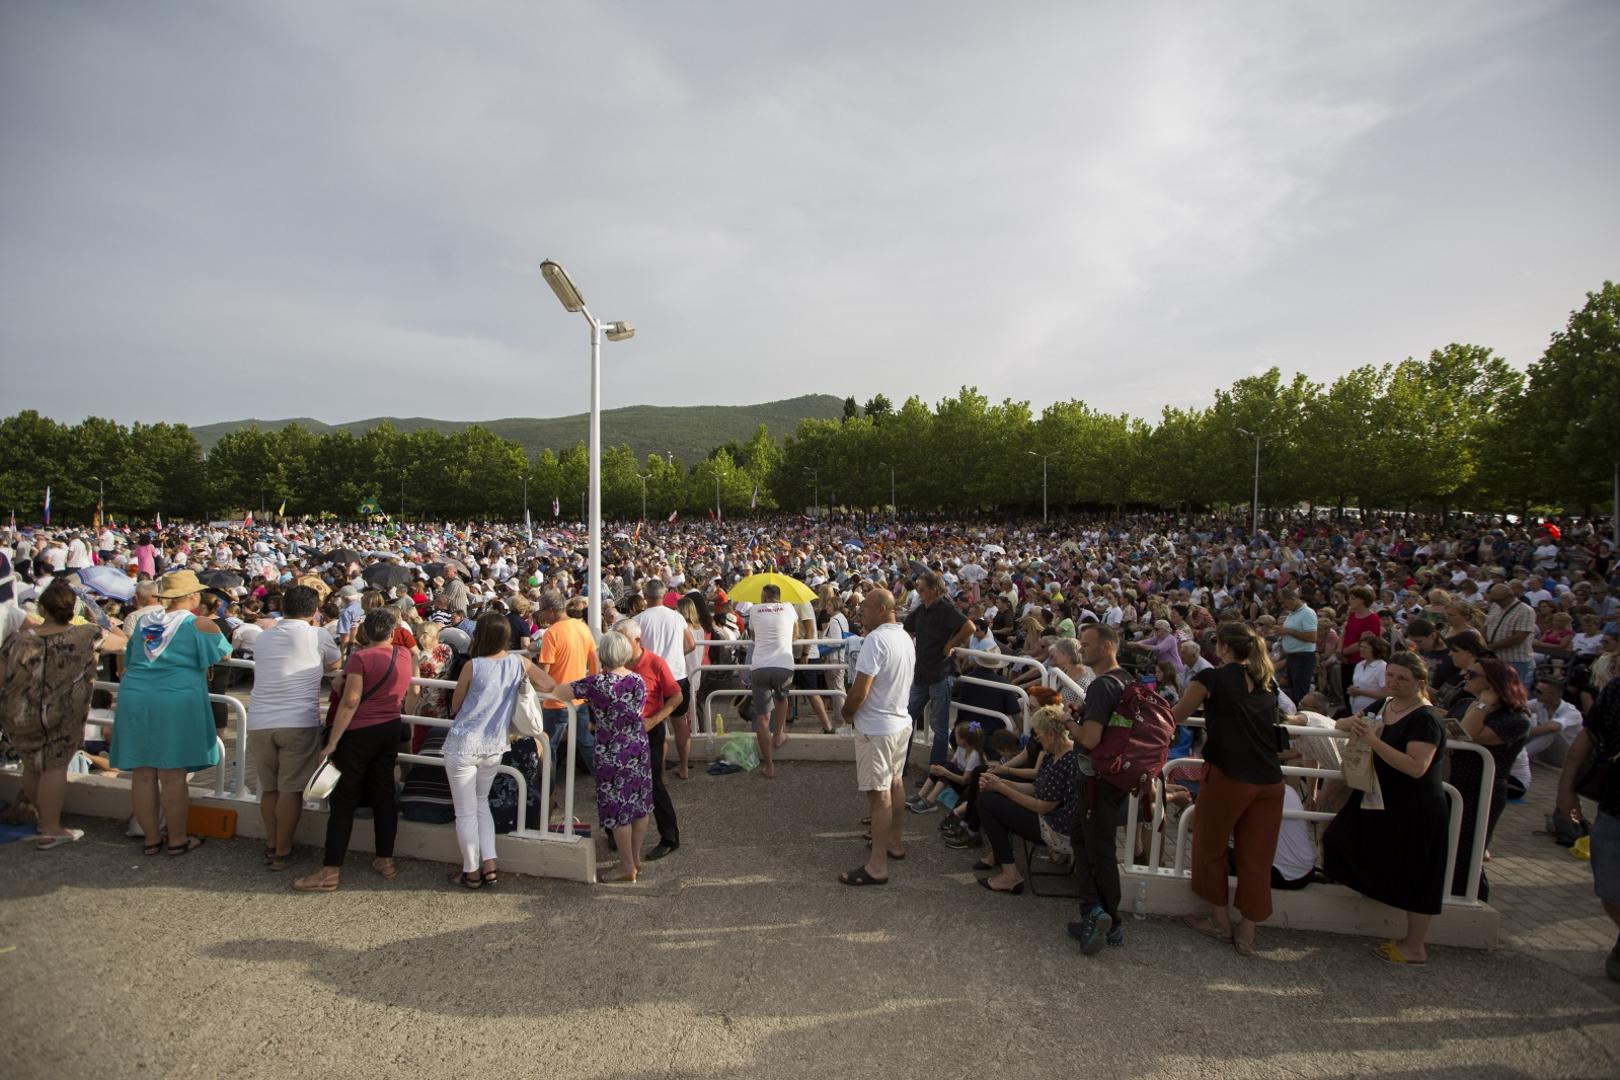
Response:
column 851, row 545
column 109, row 582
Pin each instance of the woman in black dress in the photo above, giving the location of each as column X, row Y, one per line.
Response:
column 1397, row 855
column 1498, row 718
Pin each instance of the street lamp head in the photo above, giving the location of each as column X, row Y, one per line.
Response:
column 618, row 331
column 1246, row 431
column 562, row 285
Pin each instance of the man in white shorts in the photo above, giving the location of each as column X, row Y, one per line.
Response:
column 876, row 706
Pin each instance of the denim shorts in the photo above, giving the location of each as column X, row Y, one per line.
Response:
column 1606, row 857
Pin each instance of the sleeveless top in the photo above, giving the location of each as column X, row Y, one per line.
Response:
column 481, row 727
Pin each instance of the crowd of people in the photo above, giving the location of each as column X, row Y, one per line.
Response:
column 1409, row 635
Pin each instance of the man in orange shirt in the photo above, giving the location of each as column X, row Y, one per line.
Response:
column 567, row 653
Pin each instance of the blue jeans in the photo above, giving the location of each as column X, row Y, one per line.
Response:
column 936, row 696
column 557, row 727
column 1527, row 672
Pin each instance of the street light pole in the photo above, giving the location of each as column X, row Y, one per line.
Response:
column 1258, row 439
column 643, row 480
column 894, row 510
column 1044, row 459
column 401, row 500
column 717, row 516
column 571, row 300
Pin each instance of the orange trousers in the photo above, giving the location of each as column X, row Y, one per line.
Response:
column 1250, row 815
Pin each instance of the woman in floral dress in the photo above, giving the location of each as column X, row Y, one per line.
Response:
column 428, row 700
column 622, row 759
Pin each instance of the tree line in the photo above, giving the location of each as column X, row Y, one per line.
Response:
column 1458, row 429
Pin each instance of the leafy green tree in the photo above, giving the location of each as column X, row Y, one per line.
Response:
column 1573, row 402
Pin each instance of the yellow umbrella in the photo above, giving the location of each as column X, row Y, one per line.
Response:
column 794, row 591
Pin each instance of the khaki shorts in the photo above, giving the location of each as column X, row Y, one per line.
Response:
column 880, row 759
column 285, row 757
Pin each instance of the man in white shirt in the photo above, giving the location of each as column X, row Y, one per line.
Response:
column 284, row 715
column 773, row 626
column 1554, row 723
column 664, row 631
column 877, row 707
column 78, row 553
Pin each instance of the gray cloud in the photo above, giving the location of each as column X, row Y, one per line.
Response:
column 337, row 210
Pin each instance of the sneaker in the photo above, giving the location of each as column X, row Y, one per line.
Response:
column 951, row 824
column 1116, row 936
column 962, row 838
column 1092, row 930
column 923, row 806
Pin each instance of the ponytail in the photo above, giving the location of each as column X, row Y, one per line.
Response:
column 1249, row 649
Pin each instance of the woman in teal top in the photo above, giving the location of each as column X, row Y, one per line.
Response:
column 163, row 727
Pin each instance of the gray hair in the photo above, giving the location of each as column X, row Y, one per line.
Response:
column 553, row 600
column 614, row 650
column 1068, row 647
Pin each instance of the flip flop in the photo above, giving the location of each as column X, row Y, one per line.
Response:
column 859, row 876
column 1016, row 890
column 174, row 851
column 320, row 885
column 1206, row 927
column 1390, row 953
column 46, row 843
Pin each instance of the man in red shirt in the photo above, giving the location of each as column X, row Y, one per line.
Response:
column 663, row 694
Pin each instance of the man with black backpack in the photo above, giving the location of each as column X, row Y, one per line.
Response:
column 1101, row 809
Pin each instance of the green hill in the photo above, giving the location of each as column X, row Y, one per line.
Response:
column 690, row 431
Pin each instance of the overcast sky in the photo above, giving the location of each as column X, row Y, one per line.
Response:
column 211, row 211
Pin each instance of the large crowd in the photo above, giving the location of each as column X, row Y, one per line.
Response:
column 1407, row 636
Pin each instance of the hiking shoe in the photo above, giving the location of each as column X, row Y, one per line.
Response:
column 1092, row 930
column 962, row 838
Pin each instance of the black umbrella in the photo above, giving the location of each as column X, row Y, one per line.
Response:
column 343, row 555
column 387, row 575
column 916, row 567
column 220, row 579
column 436, row 569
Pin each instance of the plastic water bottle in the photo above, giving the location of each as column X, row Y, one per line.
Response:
column 1139, row 906
column 719, row 725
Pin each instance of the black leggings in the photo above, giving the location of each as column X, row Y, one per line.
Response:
column 365, row 759
column 1002, row 819
column 1096, row 823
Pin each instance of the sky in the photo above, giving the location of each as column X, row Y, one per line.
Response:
column 337, row 210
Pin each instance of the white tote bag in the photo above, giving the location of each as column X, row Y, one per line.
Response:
column 528, row 717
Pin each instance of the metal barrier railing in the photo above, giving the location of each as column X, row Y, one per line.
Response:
column 1477, row 841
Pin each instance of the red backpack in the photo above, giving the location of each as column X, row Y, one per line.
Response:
column 1136, row 742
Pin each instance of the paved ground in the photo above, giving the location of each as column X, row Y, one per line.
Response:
column 740, row 956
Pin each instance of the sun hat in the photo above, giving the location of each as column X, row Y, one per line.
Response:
column 178, row 584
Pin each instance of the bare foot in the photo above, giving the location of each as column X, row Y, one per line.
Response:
column 770, row 772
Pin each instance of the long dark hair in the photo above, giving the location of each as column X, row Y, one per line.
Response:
column 705, row 616
column 1504, row 683
column 491, row 634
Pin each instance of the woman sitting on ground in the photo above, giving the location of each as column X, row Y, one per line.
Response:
column 1041, row 812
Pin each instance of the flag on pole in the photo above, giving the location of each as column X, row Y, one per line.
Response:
column 673, row 514
column 247, row 522
column 283, row 511
column 95, row 519
column 160, row 521
column 635, row 538
column 753, row 502
column 47, row 504
column 556, row 507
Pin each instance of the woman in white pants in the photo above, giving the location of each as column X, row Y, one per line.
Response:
column 481, row 711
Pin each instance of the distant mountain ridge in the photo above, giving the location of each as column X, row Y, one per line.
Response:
column 689, row 431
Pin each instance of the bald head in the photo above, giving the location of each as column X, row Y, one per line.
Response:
column 877, row 608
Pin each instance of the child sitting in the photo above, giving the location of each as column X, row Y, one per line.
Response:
column 961, row 826
column 969, row 738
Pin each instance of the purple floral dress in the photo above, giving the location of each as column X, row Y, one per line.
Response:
column 622, row 760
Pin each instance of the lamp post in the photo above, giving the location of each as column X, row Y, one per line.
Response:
column 101, row 497
column 401, row 500
column 1044, row 459
column 643, row 479
column 717, row 515
column 571, row 300
column 529, row 529
column 1258, row 439
column 894, row 510
column 815, row 475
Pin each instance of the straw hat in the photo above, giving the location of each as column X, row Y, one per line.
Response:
column 178, row 584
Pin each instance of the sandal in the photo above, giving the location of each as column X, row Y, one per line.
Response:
column 1206, row 927
column 279, row 862
column 466, row 881
column 46, row 843
column 1390, row 953
column 192, row 843
column 315, row 882
column 859, row 876
column 386, row 868
column 1016, row 890
column 492, row 877
column 269, row 853
column 150, row 850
